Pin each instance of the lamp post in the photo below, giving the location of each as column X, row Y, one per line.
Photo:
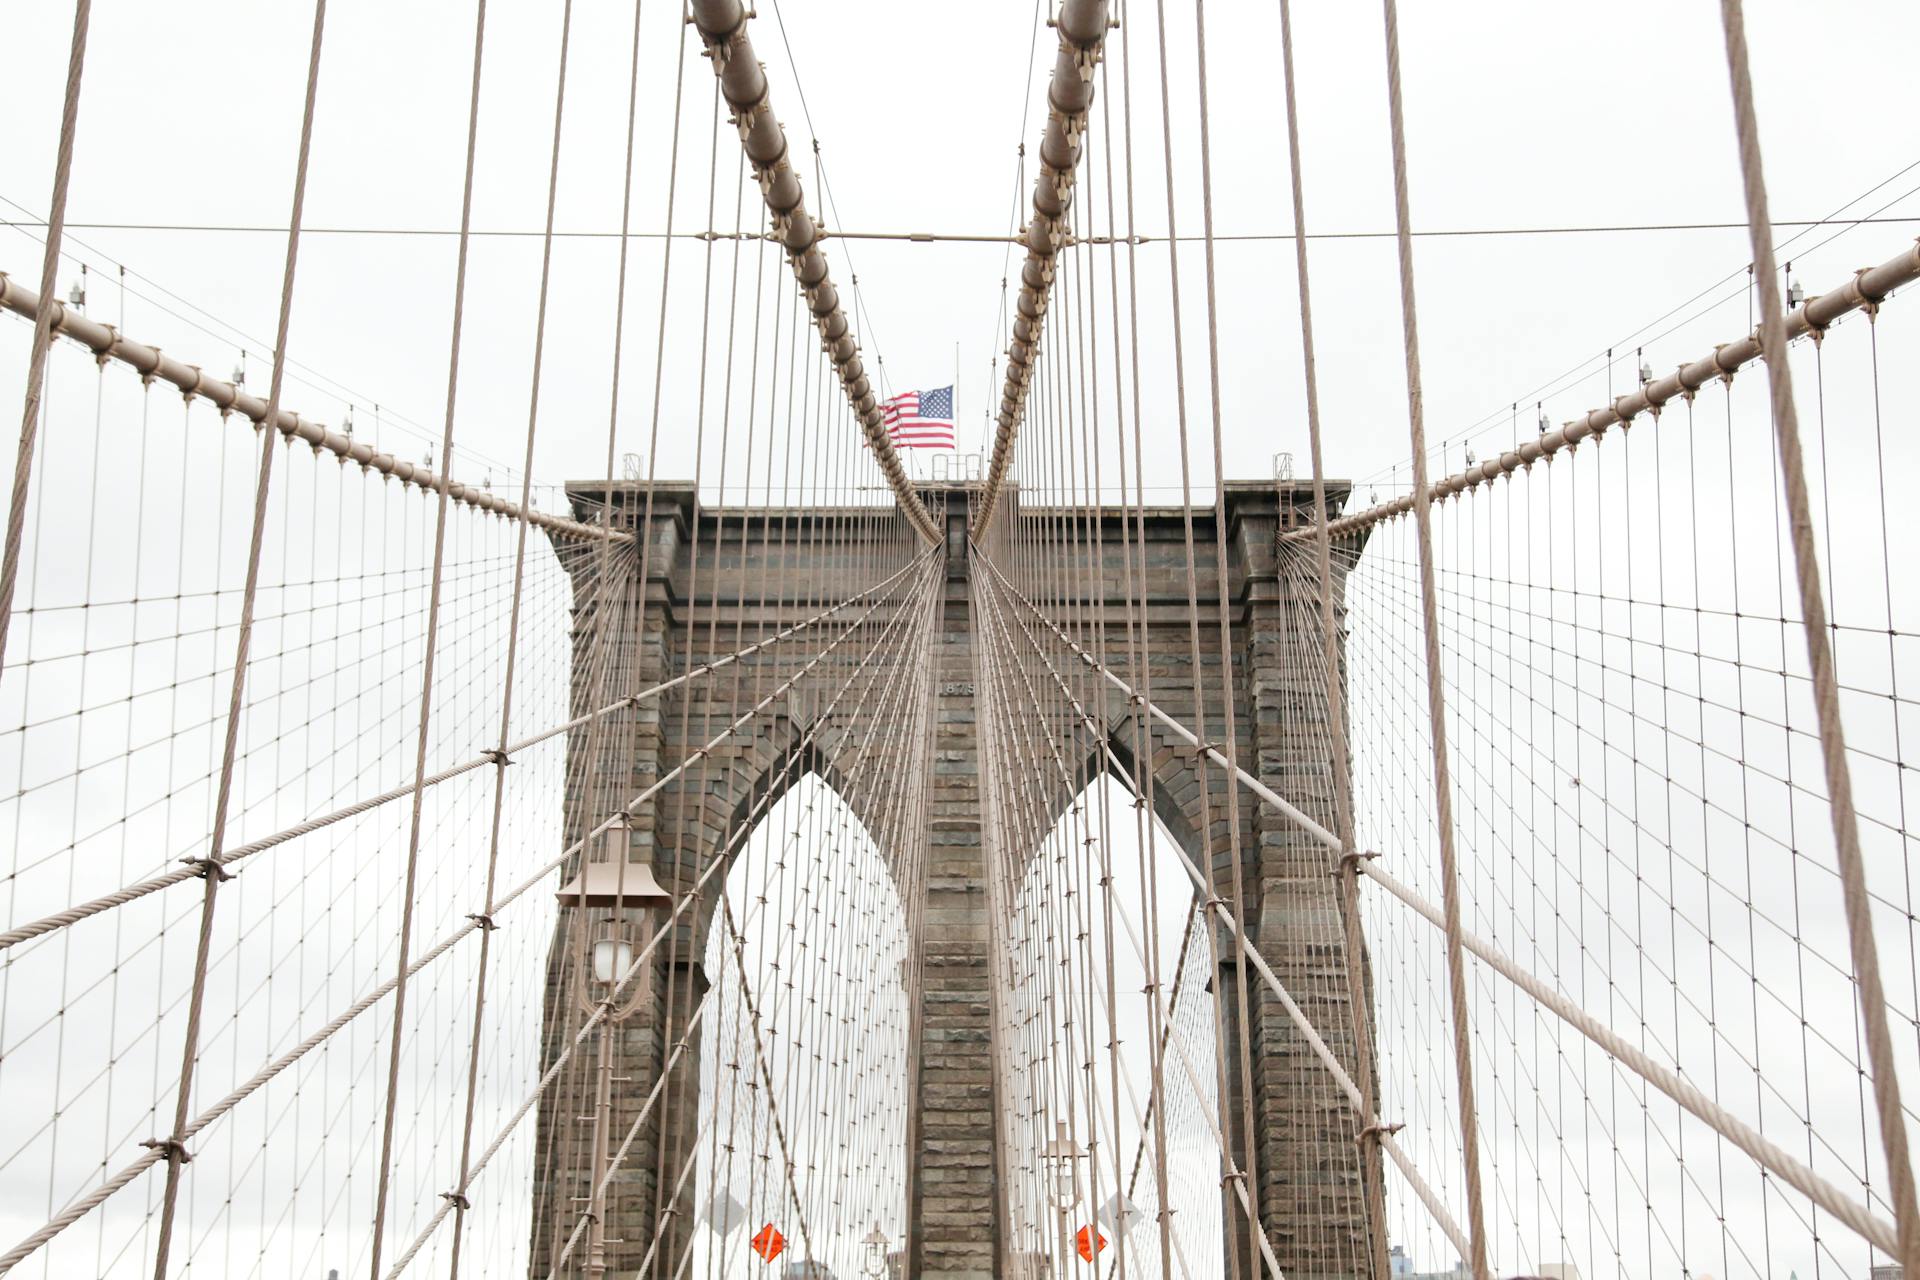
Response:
column 1060, row 1159
column 876, row 1243
column 601, row 890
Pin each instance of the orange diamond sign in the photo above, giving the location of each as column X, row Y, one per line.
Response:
column 769, row 1242
column 1090, row 1242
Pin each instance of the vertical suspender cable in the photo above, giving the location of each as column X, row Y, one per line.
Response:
column 1139, row 644
column 1336, row 726
column 42, row 323
column 458, row 1197
column 1083, row 32
column 433, row 615
column 723, row 28
column 1436, row 688
column 211, row 872
column 1826, row 689
column 1224, row 621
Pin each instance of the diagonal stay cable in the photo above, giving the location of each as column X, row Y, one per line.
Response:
column 1067, row 780
column 43, row 322
column 1769, row 1155
column 644, row 953
column 80, row 1208
column 1820, row 657
column 141, row 888
column 887, row 715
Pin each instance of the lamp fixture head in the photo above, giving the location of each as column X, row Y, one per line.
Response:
column 610, row 885
column 615, row 882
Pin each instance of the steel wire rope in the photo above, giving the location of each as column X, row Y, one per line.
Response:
column 895, row 803
column 641, row 958
column 1727, row 1127
column 173, row 1147
column 725, row 1180
column 1251, row 1170
column 1085, row 307
column 1336, row 725
column 735, row 772
column 1636, row 337
column 675, row 961
column 1436, row 690
column 1787, row 933
column 431, row 635
column 1156, row 1094
column 1758, row 914
column 1139, row 646
column 814, row 1137
column 154, row 1155
column 104, row 341
column 645, row 524
column 1813, row 606
column 234, row 335
column 1217, row 905
column 939, row 237
column 1222, row 1137
column 665, row 933
column 653, row 1096
column 1865, row 291
column 1536, row 1085
column 413, row 1249
column 43, row 321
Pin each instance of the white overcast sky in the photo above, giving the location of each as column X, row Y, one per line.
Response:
column 1521, row 115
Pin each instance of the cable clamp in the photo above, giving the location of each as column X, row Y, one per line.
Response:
column 1375, row 1132
column 1726, row 374
column 496, row 755
column 1350, row 861
column 1686, row 391
column 1235, row 1176
column 204, row 867
column 483, row 920
column 172, row 1148
column 1869, row 305
column 458, row 1201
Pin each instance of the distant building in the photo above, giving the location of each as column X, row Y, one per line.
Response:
column 1400, row 1265
column 806, row 1270
column 1456, row 1272
column 1886, row 1271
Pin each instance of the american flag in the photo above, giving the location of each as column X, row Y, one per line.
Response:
column 920, row 419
